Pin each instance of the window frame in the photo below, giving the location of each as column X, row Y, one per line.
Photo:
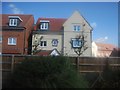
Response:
column 13, row 22
column 55, row 42
column 73, row 42
column 76, row 27
column 44, row 43
column 1, row 39
column 44, row 25
column 12, row 41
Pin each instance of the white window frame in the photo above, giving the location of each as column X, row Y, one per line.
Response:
column 55, row 42
column 76, row 27
column 73, row 43
column 0, row 39
column 43, row 43
column 13, row 22
column 11, row 41
column 44, row 25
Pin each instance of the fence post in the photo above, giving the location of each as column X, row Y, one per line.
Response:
column 12, row 64
column 77, row 63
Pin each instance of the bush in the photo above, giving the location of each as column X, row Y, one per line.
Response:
column 47, row 72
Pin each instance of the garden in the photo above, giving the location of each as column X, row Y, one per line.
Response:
column 58, row 72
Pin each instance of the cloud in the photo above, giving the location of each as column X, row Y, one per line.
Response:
column 15, row 10
column 11, row 5
column 102, row 39
column 94, row 25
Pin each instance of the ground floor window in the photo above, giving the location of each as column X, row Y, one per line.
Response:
column 0, row 39
column 43, row 43
column 12, row 41
column 55, row 42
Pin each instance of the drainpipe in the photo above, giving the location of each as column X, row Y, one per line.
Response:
column 91, row 41
column 63, row 42
column 24, row 48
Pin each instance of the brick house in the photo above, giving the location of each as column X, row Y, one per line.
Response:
column 16, row 33
column 62, row 35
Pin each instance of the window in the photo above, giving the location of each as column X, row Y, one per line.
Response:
column 76, row 43
column 44, row 25
column 13, row 22
column 0, row 39
column 76, row 28
column 43, row 43
column 12, row 41
column 54, row 42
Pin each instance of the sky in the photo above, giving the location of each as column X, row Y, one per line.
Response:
column 102, row 16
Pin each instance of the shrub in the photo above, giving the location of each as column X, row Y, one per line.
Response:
column 47, row 72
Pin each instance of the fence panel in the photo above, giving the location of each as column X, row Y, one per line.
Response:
column 83, row 64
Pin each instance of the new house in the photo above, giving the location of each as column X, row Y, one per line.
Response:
column 16, row 33
column 61, row 36
column 102, row 49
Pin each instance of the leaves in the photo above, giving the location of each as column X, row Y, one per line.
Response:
column 47, row 72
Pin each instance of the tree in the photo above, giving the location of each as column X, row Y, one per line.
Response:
column 36, row 44
column 83, row 46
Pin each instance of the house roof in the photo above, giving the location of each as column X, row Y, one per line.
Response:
column 105, row 46
column 55, row 24
column 44, row 53
column 24, row 19
column 48, row 52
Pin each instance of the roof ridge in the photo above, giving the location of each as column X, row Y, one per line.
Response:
column 50, row 18
column 17, row 14
column 104, row 43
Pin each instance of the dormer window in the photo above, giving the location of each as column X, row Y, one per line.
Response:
column 44, row 24
column 14, row 20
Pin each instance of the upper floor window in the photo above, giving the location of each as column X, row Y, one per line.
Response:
column 13, row 22
column 12, row 41
column 43, row 43
column 44, row 24
column 76, row 43
column 0, row 39
column 54, row 42
column 76, row 28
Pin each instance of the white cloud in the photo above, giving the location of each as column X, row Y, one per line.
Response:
column 11, row 5
column 94, row 25
column 15, row 10
column 102, row 39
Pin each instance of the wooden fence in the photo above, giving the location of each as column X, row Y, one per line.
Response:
column 83, row 64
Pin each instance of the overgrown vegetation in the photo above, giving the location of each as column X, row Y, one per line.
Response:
column 109, row 78
column 47, row 72
column 58, row 72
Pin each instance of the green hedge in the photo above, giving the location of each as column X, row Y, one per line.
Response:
column 47, row 72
